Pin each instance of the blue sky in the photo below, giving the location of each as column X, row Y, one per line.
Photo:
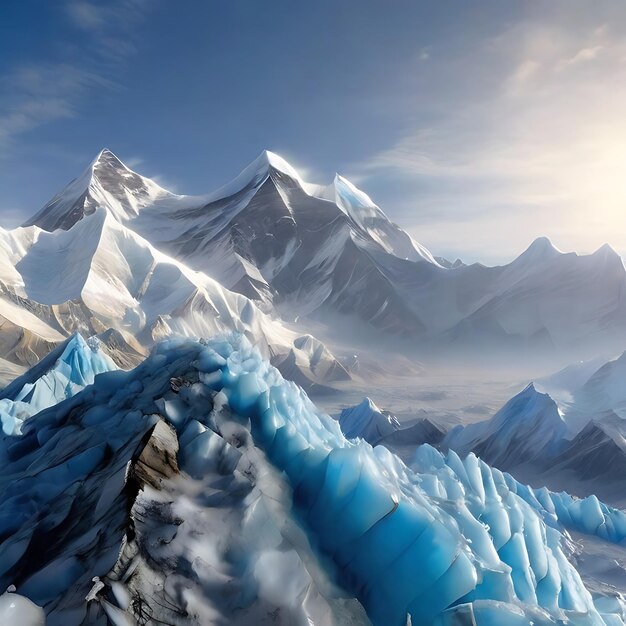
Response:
column 477, row 125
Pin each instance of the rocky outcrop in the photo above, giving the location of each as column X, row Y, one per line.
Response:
column 157, row 461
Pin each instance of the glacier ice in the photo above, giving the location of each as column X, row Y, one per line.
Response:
column 64, row 372
column 440, row 539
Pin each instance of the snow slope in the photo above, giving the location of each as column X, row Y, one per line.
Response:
column 603, row 391
column 99, row 277
column 367, row 421
column 442, row 540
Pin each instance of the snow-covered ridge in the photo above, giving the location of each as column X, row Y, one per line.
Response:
column 255, row 235
column 100, row 277
column 440, row 540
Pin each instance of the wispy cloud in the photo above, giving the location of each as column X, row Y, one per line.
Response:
column 86, row 15
column 110, row 25
column 41, row 91
column 537, row 148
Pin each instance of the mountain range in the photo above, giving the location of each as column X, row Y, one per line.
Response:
column 576, row 439
column 271, row 255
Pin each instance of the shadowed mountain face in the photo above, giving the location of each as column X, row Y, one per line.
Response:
column 106, row 182
column 306, row 251
column 527, row 429
column 269, row 239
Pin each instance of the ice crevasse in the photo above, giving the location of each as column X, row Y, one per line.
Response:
column 441, row 541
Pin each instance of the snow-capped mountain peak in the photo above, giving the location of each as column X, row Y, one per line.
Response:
column 541, row 249
column 274, row 161
column 609, row 256
column 107, row 183
column 106, row 159
column 371, row 220
column 255, row 174
column 367, row 421
column 528, row 426
column 313, row 249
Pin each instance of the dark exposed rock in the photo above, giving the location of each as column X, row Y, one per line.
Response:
column 157, row 461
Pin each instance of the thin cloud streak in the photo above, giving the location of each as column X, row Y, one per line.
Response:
column 41, row 92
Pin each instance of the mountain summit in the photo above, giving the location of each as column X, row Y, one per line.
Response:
column 107, row 183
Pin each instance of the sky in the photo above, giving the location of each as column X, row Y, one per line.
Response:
column 477, row 126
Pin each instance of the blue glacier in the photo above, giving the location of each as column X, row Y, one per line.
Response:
column 68, row 369
column 439, row 540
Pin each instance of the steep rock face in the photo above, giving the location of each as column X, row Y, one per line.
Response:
column 597, row 452
column 274, row 238
column 106, row 182
column 158, row 460
column 266, row 234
